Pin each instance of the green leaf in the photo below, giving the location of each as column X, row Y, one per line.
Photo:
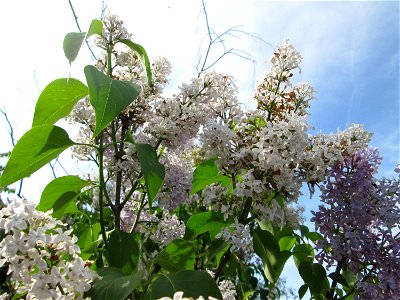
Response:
column 87, row 234
column 287, row 242
column 73, row 40
column 314, row 236
column 123, row 251
column 108, row 96
column 280, row 264
column 36, row 148
column 303, row 290
column 153, row 171
column 339, row 278
column 267, row 248
column 315, row 276
column 142, row 54
column 191, row 283
column 303, row 230
column 19, row 295
column 96, row 27
column 303, row 252
column 114, row 284
column 57, row 100
column 203, row 222
column 59, row 194
column 205, row 174
column 217, row 248
column 72, row 44
column 177, row 255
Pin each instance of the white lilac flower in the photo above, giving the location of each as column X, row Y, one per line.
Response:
column 227, row 289
column 33, row 239
column 238, row 235
column 162, row 230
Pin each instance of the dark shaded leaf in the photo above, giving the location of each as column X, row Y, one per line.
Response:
column 153, row 171
column 114, row 284
column 123, row 251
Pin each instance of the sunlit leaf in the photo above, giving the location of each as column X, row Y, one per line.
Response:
column 203, row 222
column 205, row 174
column 108, row 96
column 59, row 195
column 57, row 100
column 177, row 255
column 36, row 148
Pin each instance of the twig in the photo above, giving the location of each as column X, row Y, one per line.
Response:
column 10, row 127
column 215, row 38
column 79, row 28
column 11, row 133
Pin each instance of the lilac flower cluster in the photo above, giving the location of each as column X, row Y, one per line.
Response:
column 360, row 222
column 42, row 258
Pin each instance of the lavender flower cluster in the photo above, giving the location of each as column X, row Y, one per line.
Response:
column 360, row 221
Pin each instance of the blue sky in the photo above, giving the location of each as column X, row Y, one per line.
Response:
column 350, row 51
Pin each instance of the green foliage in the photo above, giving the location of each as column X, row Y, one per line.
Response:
column 59, row 195
column 191, row 283
column 36, row 148
column 205, row 174
column 114, row 284
column 73, row 40
column 142, row 54
column 123, row 251
column 314, row 275
column 178, row 255
column 153, row 171
column 203, row 222
column 303, row 252
column 57, row 100
column 108, row 96
column 267, row 248
column 302, row 291
column 87, row 235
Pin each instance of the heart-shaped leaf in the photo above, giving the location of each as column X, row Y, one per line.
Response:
column 108, row 96
column 38, row 146
column 60, row 193
column 57, row 100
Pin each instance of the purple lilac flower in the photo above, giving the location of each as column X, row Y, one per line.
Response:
column 360, row 222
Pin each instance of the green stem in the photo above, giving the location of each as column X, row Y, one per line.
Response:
column 101, row 153
column 330, row 295
column 101, row 187
column 142, row 204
